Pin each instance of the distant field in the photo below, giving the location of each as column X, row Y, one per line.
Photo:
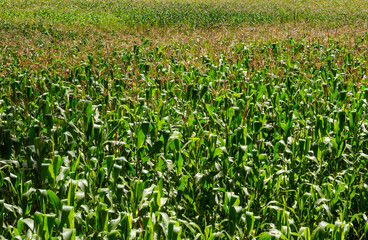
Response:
column 183, row 119
column 210, row 13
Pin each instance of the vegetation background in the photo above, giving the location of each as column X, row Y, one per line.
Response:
column 183, row 119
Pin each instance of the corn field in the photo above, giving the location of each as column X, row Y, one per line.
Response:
column 183, row 119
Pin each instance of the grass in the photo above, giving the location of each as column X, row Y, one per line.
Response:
column 169, row 123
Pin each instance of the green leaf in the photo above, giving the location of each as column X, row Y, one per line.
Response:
column 140, row 138
column 249, row 218
column 54, row 200
column 71, row 192
column 304, row 233
column 321, row 232
column 217, row 152
column 69, row 234
column 126, row 226
column 89, row 112
column 67, row 217
column 29, row 222
column 264, row 236
column 174, row 230
column 155, row 148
